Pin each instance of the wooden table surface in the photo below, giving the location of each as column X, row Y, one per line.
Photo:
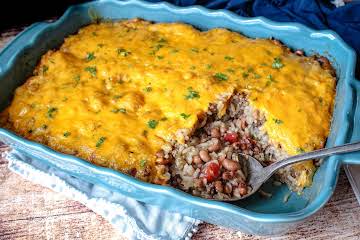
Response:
column 29, row 211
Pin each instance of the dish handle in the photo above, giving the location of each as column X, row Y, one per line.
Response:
column 354, row 158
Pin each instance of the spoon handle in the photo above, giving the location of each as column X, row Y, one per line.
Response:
column 351, row 147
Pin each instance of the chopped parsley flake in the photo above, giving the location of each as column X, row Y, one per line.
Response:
column 66, row 134
column 90, row 56
column 300, row 150
column 91, row 70
column 100, row 142
column 277, row 64
column 117, row 97
column 148, row 89
column 123, row 52
column 230, row 70
column 193, row 67
column 208, row 66
column 245, row 75
column 268, row 52
column 278, row 121
column 51, row 111
column 195, row 50
column 44, row 126
column 174, row 50
column 162, row 40
column 192, row 94
column 158, row 46
column 228, row 58
column 221, row 76
column 257, row 76
column 270, row 80
column 44, row 69
column 143, row 163
column 145, row 133
column 185, row 116
column 152, row 124
column 77, row 80
column 117, row 110
column 160, row 57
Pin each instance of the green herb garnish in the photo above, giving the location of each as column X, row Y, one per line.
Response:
column 100, row 142
column 230, row 70
column 257, row 76
column 208, row 66
column 142, row 163
column 300, row 150
column 185, row 116
column 195, row 50
column 45, row 69
column 174, row 50
column 66, row 134
column 278, row 121
column 117, row 97
column 160, row 57
column 152, row 124
column 91, row 70
column 148, row 89
column 117, row 110
column 221, row 76
column 192, row 94
column 51, row 111
column 158, row 46
column 228, row 58
column 77, row 80
column 245, row 75
column 90, row 56
column 123, row 52
column 277, row 64
column 162, row 40
column 270, row 80
column 44, row 126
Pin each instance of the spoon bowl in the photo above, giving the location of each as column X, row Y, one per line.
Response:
column 258, row 175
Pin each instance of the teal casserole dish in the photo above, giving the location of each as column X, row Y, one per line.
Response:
column 254, row 215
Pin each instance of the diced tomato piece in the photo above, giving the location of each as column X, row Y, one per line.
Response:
column 211, row 171
column 231, row 137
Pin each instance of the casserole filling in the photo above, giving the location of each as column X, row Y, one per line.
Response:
column 151, row 100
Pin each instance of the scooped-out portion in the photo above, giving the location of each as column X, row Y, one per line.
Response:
column 208, row 163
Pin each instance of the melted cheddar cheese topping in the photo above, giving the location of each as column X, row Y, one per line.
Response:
column 116, row 92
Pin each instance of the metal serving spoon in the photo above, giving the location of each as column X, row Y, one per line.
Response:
column 258, row 174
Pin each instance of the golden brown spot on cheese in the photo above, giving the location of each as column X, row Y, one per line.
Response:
column 125, row 91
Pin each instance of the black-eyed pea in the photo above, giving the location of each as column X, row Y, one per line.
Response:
column 219, row 186
column 230, row 165
column 204, row 155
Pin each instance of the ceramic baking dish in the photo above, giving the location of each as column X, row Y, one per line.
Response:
column 254, row 215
